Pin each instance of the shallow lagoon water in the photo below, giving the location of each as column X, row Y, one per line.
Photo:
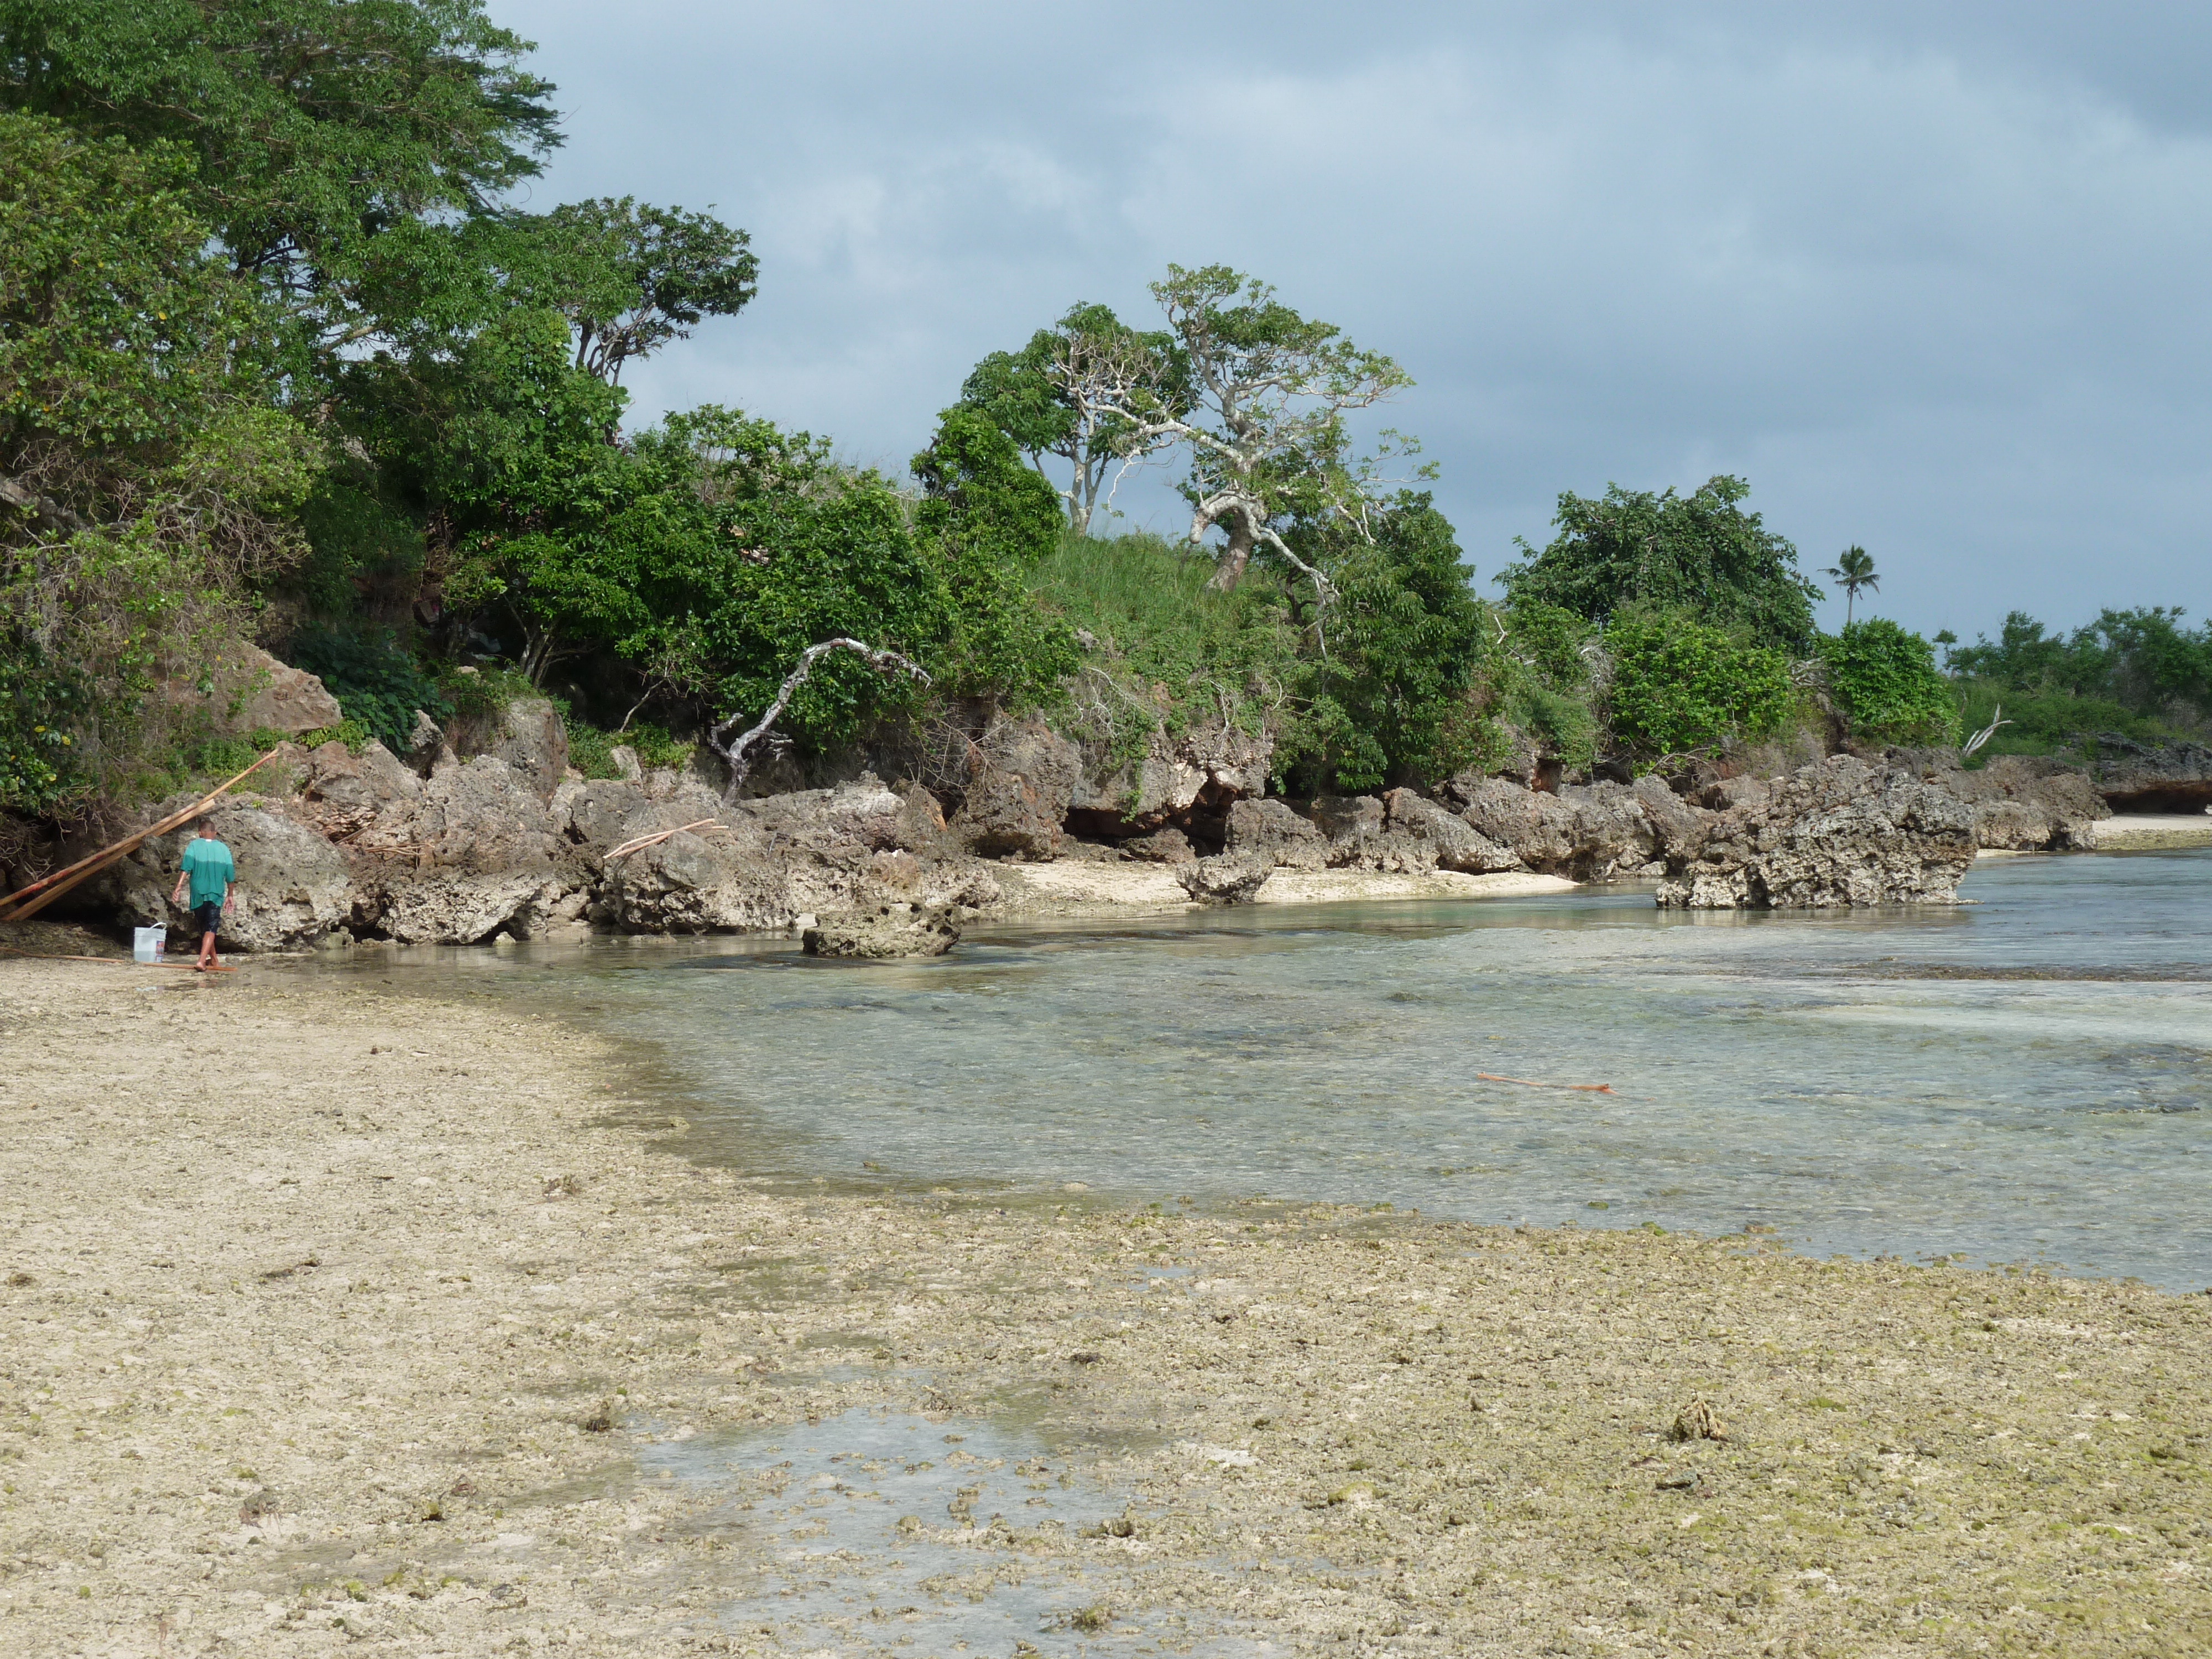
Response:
column 2019, row 1080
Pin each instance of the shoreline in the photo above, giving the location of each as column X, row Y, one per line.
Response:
column 1077, row 888
column 303, row 1340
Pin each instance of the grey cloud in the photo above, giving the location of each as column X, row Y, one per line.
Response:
column 1930, row 277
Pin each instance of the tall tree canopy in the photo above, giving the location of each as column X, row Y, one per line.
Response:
column 313, row 125
column 1257, row 400
column 147, row 476
column 1700, row 552
column 1059, row 395
column 1386, row 698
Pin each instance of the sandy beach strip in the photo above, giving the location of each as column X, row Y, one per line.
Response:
column 336, row 1318
column 1074, row 887
column 2151, row 831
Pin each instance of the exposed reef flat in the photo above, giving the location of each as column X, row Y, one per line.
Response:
column 330, row 1313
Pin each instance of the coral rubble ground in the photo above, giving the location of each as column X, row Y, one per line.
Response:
column 329, row 1314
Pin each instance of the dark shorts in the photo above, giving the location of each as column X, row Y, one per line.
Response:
column 210, row 915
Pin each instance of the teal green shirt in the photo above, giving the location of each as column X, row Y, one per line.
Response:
column 207, row 862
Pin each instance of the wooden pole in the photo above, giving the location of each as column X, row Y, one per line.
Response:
column 27, row 901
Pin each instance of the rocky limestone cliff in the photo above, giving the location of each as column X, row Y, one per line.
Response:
column 437, row 847
column 1837, row 834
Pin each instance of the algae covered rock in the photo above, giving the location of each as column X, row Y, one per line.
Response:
column 887, row 933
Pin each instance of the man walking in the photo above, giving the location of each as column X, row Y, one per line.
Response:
column 209, row 872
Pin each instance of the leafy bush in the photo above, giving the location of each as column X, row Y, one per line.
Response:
column 1885, row 682
column 1700, row 552
column 1385, row 693
column 591, row 751
column 1681, row 684
column 376, row 680
column 2143, row 661
column 39, row 706
column 2051, row 723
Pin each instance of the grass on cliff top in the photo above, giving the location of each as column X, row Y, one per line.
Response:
column 1163, row 636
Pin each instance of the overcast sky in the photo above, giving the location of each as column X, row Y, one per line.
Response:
column 1933, row 278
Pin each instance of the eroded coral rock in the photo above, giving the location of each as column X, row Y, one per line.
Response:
column 1021, row 781
column 1189, row 778
column 293, row 886
column 531, row 739
column 1227, row 879
column 1269, row 832
column 1837, row 834
column 887, row 932
column 2025, row 803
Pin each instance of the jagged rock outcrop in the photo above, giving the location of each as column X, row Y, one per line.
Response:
column 442, row 908
column 249, row 690
column 700, row 882
column 1269, row 832
column 1537, row 825
column 2025, row 803
column 474, row 818
column 885, row 932
column 1225, row 879
column 1589, row 832
column 1022, row 777
column 530, row 737
column 862, row 815
column 1167, row 846
column 2146, row 777
column 293, row 886
column 1837, row 834
column 1403, row 833
column 1188, row 781
column 1420, row 835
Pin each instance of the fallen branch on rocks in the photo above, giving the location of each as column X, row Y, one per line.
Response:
column 737, row 754
column 1577, row 1088
column 642, row 842
column 26, row 903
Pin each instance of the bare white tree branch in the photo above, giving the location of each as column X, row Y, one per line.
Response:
column 737, row 753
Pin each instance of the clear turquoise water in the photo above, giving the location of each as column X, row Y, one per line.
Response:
column 2021, row 1079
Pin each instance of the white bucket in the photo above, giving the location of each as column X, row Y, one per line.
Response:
column 146, row 943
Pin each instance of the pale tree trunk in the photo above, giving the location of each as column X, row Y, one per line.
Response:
column 1229, row 570
column 737, row 752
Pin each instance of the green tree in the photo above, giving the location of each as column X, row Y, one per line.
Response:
column 313, row 126
column 148, row 479
column 1261, row 415
column 502, row 448
column 1700, row 552
column 754, row 544
column 1887, row 684
column 989, row 521
column 1057, row 396
column 1853, row 570
column 1681, row 684
column 1390, row 699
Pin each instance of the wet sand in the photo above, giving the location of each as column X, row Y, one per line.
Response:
column 332, row 1315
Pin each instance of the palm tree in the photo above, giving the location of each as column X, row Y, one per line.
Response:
column 1852, row 571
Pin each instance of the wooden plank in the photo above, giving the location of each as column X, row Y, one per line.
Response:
column 21, row 905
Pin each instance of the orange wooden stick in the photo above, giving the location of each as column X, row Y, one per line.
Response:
column 1579, row 1087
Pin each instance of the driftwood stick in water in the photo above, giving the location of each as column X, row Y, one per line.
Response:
column 1579, row 1087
